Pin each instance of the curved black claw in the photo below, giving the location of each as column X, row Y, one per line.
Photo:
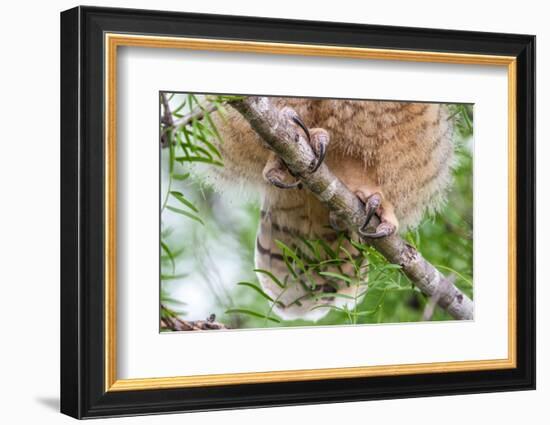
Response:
column 319, row 143
column 301, row 124
column 320, row 158
column 384, row 229
column 372, row 203
column 274, row 177
column 317, row 138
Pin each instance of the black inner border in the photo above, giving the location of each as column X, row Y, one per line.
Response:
column 82, row 208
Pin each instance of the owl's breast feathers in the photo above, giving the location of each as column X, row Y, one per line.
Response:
column 306, row 292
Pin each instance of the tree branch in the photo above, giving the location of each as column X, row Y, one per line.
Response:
column 172, row 126
column 282, row 136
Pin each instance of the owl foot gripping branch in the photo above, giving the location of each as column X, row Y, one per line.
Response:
column 331, row 209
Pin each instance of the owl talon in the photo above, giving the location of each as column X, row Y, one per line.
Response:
column 372, row 205
column 317, row 138
column 318, row 142
column 275, row 177
column 384, row 229
column 301, row 124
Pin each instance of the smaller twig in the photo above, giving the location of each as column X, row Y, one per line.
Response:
column 177, row 324
column 172, row 126
column 196, row 114
column 167, row 118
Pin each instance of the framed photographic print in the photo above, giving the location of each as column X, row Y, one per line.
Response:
column 261, row 212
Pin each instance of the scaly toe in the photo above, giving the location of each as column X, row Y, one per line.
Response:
column 383, row 230
column 276, row 176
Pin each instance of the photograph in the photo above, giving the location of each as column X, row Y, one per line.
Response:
column 244, row 245
column 268, row 211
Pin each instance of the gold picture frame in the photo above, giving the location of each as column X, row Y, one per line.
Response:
column 114, row 41
column 91, row 41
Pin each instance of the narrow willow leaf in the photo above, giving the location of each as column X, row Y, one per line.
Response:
column 365, row 313
column 172, row 276
column 260, row 291
column 461, row 276
column 271, row 276
column 311, row 247
column 212, row 148
column 190, row 100
column 179, row 108
column 186, row 135
column 212, row 125
column 290, row 252
column 252, row 313
column 331, row 307
column 198, row 159
column 205, row 153
column 389, row 266
column 180, row 197
column 172, row 301
column 345, row 296
column 337, row 276
column 359, row 246
column 180, row 176
column 335, row 261
column 169, row 254
column 171, row 153
column 328, row 250
column 185, row 213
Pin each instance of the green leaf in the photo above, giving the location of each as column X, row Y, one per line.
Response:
column 180, row 176
column 187, row 136
column 311, row 247
column 332, row 261
column 180, row 197
column 287, row 251
column 389, row 266
column 172, row 276
column 212, row 125
column 271, row 276
column 172, row 301
column 169, row 254
column 345, row 296
column 252, row 313
column 171, row 153
column 179, row 108
column 328, row 250
column 329, row 306
column 461, row 276
column 365, row 313
column 185, row 213
column 260, row 291
column 359, row 246
column 337, row 276
column 198, row 159
column 212, row 148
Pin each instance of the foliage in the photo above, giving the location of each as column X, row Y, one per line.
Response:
column 187, row 144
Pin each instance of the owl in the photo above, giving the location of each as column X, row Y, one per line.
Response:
column 396, row 156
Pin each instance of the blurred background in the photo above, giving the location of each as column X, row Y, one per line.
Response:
column 208, row 237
